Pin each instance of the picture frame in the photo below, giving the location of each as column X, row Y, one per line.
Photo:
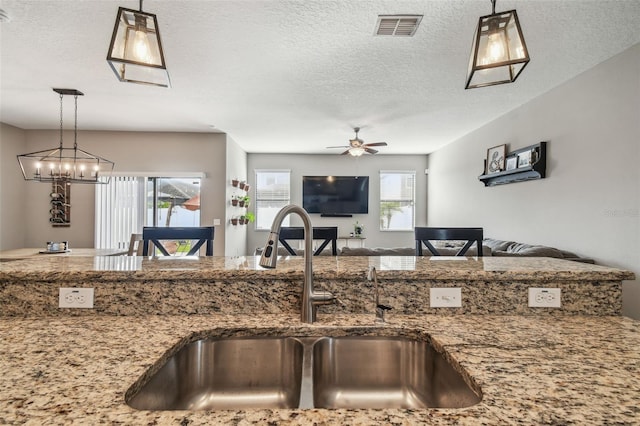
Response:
column 524, row 159
column 495, row 159
column 512, row 162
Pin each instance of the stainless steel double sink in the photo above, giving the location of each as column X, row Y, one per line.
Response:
column 238, row 373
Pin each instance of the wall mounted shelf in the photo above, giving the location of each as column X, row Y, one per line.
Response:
column 535, row 170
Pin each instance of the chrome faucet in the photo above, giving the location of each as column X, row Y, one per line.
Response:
column 310, row 298
column 380, row 309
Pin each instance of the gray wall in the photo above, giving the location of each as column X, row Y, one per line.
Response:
column 344, row 165
column 589, row 203
column 12, row 187
column 132, row 152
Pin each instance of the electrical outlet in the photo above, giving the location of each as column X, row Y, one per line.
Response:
column 544, row 297
column 440, row 297
column 75, row 298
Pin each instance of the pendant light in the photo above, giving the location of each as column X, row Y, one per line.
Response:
column 135, row 53
column 499, row 53
column 72, row 165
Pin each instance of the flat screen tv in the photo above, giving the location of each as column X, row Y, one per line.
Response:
column 335, row 195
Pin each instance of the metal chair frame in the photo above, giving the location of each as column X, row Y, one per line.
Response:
column 423, row 236
column 201, row 235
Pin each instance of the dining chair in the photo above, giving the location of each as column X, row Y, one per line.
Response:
column 424, row 236
column 135, row 245
column 326, row 234
column 197, row 236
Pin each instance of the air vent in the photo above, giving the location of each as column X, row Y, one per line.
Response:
column 397, row 25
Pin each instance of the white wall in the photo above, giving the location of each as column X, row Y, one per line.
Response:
column 236, row 241
column 132, row 152
column 12, row 188
column 344, row 165
column 590, row 201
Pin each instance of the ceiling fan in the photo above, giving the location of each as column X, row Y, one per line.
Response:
column 357, row 147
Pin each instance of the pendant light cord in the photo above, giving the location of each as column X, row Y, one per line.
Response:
column 75, row 127
column 493, row 6
column 60, row 123
column 141, row 5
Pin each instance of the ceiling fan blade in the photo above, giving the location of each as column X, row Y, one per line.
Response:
column 339, row 146
column 376, row 144
column 345, row 153
column 370, row 151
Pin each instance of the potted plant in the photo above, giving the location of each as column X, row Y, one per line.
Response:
column 357, row 229
column 245, row 200
column 235, row 182
column 234, row 200
column 243, row 220
column 241, row 184
column 250, row 217
column 234, row 221
column 241, row 201
column 246, row 187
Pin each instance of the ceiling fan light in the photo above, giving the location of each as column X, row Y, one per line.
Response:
column 135, row 53
column 356, row 152
column 499, row 52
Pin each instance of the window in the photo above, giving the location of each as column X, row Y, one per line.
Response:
column 397, row 200
column 272, row 194
column 127, row 203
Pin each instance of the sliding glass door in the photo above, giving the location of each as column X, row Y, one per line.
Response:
column 128, row 203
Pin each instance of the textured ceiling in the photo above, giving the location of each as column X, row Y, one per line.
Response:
column 296, row 76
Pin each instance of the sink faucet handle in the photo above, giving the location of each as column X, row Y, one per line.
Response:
column 321, row 297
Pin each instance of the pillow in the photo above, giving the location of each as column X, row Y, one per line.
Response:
column 496, row 245
column 533, row 251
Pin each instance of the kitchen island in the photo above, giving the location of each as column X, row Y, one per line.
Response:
column 136, row 285
column 576, row 365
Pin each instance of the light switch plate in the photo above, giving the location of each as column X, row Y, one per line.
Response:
column 75, row 298
column 445, row 297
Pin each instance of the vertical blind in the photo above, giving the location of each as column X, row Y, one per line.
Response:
column 119, row 211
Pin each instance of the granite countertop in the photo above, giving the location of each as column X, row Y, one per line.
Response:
column 532, row 370
column 328, row 267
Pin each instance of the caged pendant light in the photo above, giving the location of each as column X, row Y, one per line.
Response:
column 135, row 53
column 499, row 53
column 72, row 165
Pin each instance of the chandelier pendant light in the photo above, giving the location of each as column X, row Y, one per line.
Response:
column 499, row 52
column 71, row 165
column 135, row 53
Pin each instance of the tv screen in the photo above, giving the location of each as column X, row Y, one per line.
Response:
column 335, row 194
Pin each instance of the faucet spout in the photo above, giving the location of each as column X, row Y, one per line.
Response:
column 310, row 297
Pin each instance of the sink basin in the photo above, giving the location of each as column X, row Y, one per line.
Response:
column 385, row 372
column 237, row 373
column 230, row 373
